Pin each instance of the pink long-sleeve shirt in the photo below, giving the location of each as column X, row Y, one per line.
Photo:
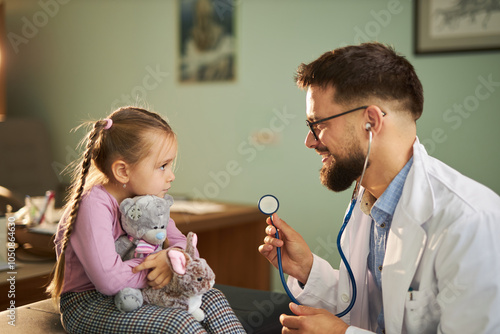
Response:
column 91, row 258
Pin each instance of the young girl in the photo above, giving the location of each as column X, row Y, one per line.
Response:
column 128, row 154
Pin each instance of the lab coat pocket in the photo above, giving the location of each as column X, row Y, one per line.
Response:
column 421, row 312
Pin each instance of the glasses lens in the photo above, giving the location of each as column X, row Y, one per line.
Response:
column 311, row 128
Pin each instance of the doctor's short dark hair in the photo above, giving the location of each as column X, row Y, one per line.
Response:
column 358, row 72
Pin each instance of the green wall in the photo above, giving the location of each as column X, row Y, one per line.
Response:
column 79, row 63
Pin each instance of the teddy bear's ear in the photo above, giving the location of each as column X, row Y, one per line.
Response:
column 169, row 199
column 178, row 261
column 126, row 204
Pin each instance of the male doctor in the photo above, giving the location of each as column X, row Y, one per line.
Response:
column 423, row 240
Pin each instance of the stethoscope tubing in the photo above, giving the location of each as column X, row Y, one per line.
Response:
column 342, row 256
column 346, row 263
column 280, row 268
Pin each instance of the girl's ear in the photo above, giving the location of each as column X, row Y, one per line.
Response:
column 120, row 170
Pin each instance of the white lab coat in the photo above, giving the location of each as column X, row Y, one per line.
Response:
column 444, row 242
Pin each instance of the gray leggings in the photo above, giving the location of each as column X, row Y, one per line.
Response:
column 92, row 312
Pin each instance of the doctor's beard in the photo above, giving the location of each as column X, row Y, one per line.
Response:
column 342, row 172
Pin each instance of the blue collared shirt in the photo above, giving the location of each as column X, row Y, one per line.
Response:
column 382, row 213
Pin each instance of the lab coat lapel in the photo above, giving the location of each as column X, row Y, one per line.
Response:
column 406, row 240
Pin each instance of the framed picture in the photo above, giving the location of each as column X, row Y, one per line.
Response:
column 456, row 25
column 207, row 49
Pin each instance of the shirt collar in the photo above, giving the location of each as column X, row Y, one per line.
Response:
column 390, row 198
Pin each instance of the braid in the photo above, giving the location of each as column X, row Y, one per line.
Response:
column 56, row 285
column 77, row 195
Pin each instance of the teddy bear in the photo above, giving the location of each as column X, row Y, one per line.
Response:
column 145, row 220
column 192, row 276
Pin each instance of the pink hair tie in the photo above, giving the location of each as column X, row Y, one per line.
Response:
column 109, row 122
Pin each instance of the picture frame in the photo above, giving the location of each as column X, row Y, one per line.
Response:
column 207, row 40
column 456, row 25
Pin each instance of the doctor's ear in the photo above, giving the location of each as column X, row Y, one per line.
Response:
column 373, row 118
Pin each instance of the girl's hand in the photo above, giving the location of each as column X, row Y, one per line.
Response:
column 160, row 274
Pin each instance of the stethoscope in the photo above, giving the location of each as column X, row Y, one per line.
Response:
column 269, row 204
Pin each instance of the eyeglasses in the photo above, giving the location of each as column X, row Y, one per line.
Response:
column 312, row 125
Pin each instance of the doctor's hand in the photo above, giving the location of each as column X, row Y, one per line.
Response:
column 297, row 258
column 160, row 274
column 311, row 320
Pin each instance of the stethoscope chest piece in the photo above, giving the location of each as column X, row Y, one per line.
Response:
column 268, row 204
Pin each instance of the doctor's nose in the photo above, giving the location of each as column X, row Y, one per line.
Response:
column 311, row 141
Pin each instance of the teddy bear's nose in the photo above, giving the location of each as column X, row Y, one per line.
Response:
column 160, row 235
